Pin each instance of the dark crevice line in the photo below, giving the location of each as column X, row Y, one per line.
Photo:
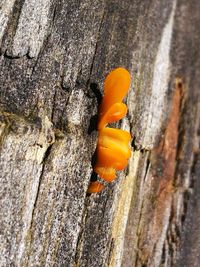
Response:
column 54, row 13
column 53, row 105
column 148, row 165
column 96, row 46
column 140, row 215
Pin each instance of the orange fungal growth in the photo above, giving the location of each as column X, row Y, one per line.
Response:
column 113, row 148
column 95, row 187
column 116, row 86
column 106, row 173
column 113, row 151
column 116, row 112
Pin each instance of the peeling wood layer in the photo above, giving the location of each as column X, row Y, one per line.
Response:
column 161, row 176
column 175, row 191
column 154, row 115
column 156, row 197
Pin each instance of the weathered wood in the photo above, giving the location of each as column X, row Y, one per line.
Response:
column 54, row 58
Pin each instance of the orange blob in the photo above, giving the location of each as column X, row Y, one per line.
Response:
column 108, row 157
column 95, row 187
column 116, row 140
column 116, row 86
column 106, row 173
column 115, row 113
column 113, row 149
column 119, row 134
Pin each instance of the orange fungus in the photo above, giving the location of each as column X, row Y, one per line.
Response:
column 113, row 151
column 95, row 187
column 116, row 86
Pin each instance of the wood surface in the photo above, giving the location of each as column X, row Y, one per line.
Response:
column 54, row 57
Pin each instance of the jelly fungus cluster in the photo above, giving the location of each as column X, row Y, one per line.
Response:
column 113, row 151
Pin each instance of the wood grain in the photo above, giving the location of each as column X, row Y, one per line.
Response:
column 54, row 57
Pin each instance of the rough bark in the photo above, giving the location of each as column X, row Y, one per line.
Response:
column 54, row 58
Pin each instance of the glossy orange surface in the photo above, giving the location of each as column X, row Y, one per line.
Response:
column 113, row 151
column 106, row 173
column 115, row 113
column 116, row 86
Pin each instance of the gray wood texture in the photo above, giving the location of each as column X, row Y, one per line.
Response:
column 54, row 57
